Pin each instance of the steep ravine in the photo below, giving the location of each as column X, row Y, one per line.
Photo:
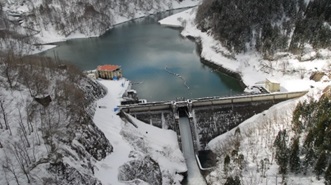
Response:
column 47, row 133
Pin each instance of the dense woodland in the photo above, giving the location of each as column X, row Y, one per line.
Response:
column 310, row 147
column 267, row 26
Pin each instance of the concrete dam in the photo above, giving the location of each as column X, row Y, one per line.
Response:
column 197, row 121
column 208, row 117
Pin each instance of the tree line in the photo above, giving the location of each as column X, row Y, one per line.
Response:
column 267, row 26
column 308, row 151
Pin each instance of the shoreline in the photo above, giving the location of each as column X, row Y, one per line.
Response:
column 82, row 36
column 250, row 67
column 177, row 24
column 50, row 45
column 217, row 67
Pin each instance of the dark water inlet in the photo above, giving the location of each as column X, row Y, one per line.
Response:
column 145, row 49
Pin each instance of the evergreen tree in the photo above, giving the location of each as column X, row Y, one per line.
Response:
column 320, row 165
column 226, row 163
column 281, row 152
column 309, row 160
column 242, row 25
column 294, row 156
column 231, row 181
column 327, row 175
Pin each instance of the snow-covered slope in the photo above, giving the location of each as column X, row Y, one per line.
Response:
column 58, row 20
column 135, row 146
column 251, row 148
column 46, row 131
column 252, row 141
column 291, row 73
column 52, row 130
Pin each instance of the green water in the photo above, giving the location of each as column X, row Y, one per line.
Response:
column 143, row 49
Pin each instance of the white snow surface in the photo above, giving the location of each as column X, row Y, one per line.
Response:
column 259, row 132
column 257, row 136
column 51, row 36
column 161, row 145
column 292, row 73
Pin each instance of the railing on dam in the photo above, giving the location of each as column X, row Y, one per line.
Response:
column 209, row 101
column 246, row 98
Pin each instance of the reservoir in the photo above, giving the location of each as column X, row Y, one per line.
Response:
column 160, row 63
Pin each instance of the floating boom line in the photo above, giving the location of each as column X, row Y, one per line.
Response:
column 177, row 75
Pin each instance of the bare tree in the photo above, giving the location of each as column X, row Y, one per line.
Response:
column 1, row 126
column 8, row 167
column 284, row 66
column 9, row 65
column 4, row 114
column 22, row 128
column 22, row 157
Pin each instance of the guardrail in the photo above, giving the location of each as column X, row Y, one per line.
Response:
column 246, row 98
column 210, row 101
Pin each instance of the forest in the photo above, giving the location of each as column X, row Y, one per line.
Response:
column 267, row 26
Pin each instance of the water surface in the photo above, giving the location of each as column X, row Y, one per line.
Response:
column 144, row 49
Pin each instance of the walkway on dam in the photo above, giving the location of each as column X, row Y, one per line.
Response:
column 209, row 101
column 194, row 176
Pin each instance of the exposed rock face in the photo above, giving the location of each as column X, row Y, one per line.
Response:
column 317, row 76
column 327, row 92
column 45, row 101
column 145, row 169
column 93, row 140
column 69, row 175
column 58, row 138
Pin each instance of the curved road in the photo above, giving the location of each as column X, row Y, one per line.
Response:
column 194, row 176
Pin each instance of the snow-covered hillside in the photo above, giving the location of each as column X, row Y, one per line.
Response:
column 47, row 135
column 250, row 146
column 142, row 153
column 52, row 130
column 57, row 20
column 287, row 69
column 251, row 151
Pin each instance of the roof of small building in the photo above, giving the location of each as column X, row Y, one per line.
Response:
column 272, row 80
column 108, row 67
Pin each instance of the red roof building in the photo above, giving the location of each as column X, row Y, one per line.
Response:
column 109, row 72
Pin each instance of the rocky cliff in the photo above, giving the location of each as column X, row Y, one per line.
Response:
column 47, row 133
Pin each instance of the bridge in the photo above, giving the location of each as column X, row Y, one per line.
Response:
column 197, row 121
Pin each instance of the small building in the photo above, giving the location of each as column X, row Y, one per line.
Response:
column 91, row 75
column 272, row 85
column 109, row 72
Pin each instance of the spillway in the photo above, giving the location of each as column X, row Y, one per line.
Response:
column 194, row 176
